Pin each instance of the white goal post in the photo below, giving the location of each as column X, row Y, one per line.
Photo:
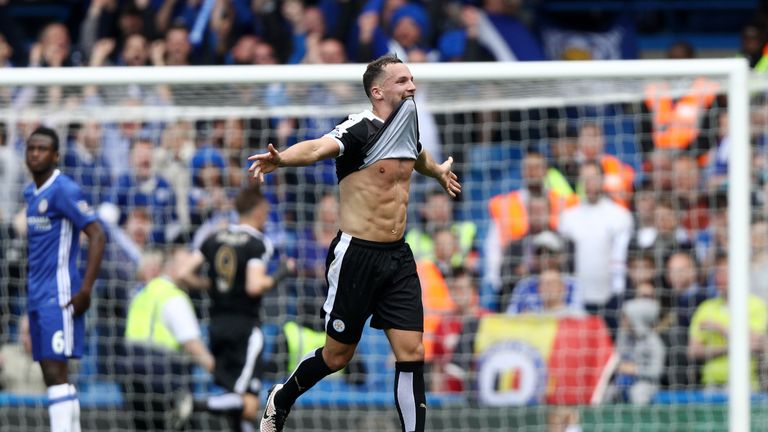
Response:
column 733, row 72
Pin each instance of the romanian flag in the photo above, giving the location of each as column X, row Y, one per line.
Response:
column 527, row 359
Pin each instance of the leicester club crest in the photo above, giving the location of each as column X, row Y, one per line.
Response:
column 338, row 325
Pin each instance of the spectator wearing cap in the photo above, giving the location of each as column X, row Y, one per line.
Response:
column 407, row 28
column 549, row 254
column 549, row 293
column 210, row 200
column 208, row 196
column 532, row 208
column 369, row 39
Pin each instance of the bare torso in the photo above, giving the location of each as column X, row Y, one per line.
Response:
column 374, row 200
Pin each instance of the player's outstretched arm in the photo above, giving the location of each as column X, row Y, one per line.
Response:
column 96, row 240
column 427, row 166
column 300, row 154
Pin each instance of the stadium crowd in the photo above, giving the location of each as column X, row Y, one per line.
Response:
column 654, row 268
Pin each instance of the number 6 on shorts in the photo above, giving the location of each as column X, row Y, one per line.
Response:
column 55, row 334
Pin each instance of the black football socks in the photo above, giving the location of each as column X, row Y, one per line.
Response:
column 308, row 373
column 409, row 395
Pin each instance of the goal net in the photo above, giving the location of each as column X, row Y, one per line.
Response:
column 595, row 274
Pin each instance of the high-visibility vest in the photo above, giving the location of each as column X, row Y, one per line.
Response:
column 435, row 294
column 762, row 64
column 300, row 341
column 618, row 179
column 557, row 182
column 145, row 315
column 676, row 124
column 510, row 213
column 423, row 245
column 437, row 301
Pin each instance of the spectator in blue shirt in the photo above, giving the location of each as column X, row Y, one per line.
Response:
column 142, row 187
column 84, row 161
column 531, row 294
column 492, row 32
column 208, row 196
column 548, row 293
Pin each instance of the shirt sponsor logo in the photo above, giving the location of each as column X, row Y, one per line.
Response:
column 39, row 223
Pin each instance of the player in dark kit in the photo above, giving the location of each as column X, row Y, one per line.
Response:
column 370, row 269
column 236, row 259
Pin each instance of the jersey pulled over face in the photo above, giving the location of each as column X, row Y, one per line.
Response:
column 365, row 139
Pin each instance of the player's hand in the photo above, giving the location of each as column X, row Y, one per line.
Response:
column 264, row 163
column 80, row 302
column 286, row 268
column 448, row 179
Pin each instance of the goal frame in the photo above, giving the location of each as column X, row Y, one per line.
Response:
column 734, row 71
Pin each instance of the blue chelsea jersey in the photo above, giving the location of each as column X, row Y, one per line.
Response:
column 56, row 213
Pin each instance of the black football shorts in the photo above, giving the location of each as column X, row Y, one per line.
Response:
column 371, row 278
